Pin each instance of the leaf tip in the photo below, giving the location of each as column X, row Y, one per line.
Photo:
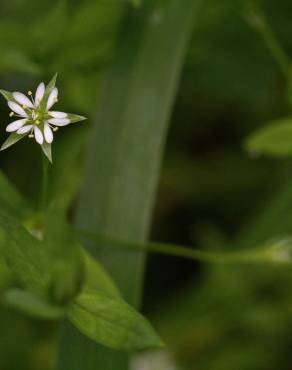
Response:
column 82, row 118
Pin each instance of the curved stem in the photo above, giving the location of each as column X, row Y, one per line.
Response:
column 249, row 256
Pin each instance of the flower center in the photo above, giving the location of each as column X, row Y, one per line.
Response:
column 36, row 117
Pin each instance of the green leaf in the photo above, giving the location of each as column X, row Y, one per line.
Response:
column 97, row 279
column 112, row 323
column 274, row 139
column 75, row 118
column 33, row 305
column 12, row 139
column 47, row 150
column 24, row 255
column 7, row 95
column 52, row 268
column 51, row 85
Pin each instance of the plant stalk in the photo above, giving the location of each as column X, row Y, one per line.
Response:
column 44, row 189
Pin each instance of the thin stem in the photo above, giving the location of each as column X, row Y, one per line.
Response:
column 258, row 255
column 44, row 189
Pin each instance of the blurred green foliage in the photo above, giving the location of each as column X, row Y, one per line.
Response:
column 212, row 193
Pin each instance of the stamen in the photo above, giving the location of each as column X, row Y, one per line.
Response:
column 11, row 114
column 55, row 129
column 31, row 97
column 37, row 122
column 24, row 106
column 31, row 136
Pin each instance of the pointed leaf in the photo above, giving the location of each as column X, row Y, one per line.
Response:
column 51, row 84
column 7, row 95
column 12, row 139
column 112, row 322
column 96, row 278
column 75, row 118
column 47, row 150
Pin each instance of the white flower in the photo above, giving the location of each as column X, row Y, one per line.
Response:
column 34, row 115
column 33, row 119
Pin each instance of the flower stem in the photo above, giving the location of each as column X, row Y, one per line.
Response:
column 276, row 253
column 44, row 189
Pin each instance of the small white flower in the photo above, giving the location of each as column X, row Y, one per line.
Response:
column 35, row 119
column 34, row 115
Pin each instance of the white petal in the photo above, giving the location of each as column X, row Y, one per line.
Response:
column 38, row 135
column 24, row 129
column 59, row 121
column 52, row 98
column 17, row 108
column 40, row 91
column 58, row 114
column 15, row 125
column 48, row 133
column 22, row 99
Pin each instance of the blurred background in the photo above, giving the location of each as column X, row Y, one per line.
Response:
column 213, row 194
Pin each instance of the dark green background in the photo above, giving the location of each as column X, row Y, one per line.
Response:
column 212, row 193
